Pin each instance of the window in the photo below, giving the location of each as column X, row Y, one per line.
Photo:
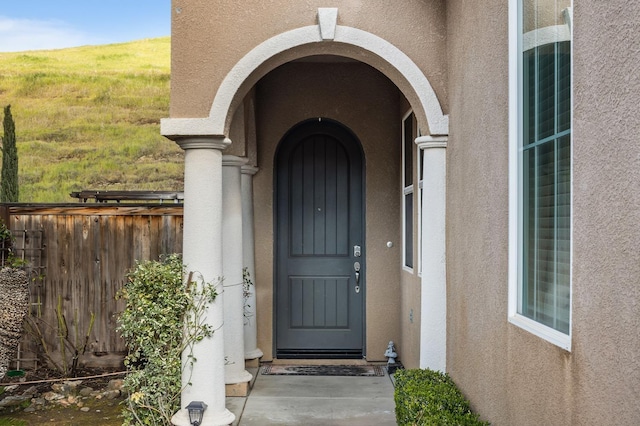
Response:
column 540, row 246
column 420, row 192
column 408, row 138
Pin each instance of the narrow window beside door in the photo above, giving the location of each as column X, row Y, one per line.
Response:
column 408, row 137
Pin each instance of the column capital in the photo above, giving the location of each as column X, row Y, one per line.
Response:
column 427, row 142
column 248, row 169
column 233, row 161
column 202, row 142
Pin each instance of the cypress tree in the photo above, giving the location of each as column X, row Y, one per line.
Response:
column 9, row 184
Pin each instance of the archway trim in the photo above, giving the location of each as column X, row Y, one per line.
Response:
column 220, row 113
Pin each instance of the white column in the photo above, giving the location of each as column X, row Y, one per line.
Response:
column 433, row 324
column 251, row 350
column 202, row 253
column 232, row 270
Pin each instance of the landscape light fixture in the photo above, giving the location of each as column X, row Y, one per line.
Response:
column 196, row 411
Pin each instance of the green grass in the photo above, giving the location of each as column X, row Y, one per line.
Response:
column 12, row 422
column 89, row 118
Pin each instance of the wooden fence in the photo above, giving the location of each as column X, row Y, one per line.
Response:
column 78, row 256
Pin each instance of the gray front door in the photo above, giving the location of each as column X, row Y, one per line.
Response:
column 320, row 229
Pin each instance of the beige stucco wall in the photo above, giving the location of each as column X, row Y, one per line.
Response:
column 208, row 40
column 367, row 103
column 511, row 376
column 606, row 271
column 409, row 344
column 210, row 36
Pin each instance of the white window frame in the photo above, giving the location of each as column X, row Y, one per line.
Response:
column 420, row 175
column 406, row 190
column 516, row 46
column 420, row 187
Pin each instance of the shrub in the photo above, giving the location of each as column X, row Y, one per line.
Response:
column 427, row 397
column 163, row 317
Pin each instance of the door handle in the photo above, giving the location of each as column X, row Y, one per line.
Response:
column 356, row 267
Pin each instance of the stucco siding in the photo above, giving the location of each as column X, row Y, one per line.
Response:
column 511, row 376
column 210, row 37
column 477, row 205
column 606, row 203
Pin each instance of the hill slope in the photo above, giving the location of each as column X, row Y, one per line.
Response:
column 89, row 118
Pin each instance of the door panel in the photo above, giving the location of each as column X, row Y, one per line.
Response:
column 319, row 218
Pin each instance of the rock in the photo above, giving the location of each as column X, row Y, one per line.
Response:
column 73, row 384
column 112, row 394
column 14, row 306
column 40, row 402
column 10, row 388
column 115, row 384
column 52, row 396
column 61, row 388
column 31, row 391
column 29, row 409
column 12, row 401
column 86, row 391
column 85, row 409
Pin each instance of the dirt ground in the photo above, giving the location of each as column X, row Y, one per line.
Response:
column 84, row 410
column 103, row 413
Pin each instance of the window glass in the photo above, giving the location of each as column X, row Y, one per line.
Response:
column 408, row 151
column 545, row 164
column 408, row 138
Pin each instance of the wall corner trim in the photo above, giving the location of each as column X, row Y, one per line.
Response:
column 328, row 20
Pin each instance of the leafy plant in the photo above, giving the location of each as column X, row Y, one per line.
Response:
column 164, row 316
column 427, row 397
column 247, row 284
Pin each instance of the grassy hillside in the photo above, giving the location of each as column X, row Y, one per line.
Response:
column 89, row 118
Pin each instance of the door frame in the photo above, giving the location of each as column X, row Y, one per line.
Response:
column 276, row 230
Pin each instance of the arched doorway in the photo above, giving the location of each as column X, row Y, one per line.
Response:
column 319, row 217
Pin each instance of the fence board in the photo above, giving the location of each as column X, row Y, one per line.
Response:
column 86, row 253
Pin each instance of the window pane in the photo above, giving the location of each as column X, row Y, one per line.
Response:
column 538, row 14
column 529, row 93
column 544, row 291
column 408, row 230
column 564, row 86
column 408, row 151
column 563, row 236
column 546, row 91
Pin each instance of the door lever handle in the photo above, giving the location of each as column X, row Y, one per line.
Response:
column 356, row 267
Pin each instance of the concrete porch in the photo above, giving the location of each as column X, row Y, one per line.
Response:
column 315, row 401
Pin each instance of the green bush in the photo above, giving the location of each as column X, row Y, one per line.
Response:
column 427, row 397
column 163, row 317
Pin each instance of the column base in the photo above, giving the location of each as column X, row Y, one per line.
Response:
column 252, row 363
column 237, row 389
column 256, row 353
column 239, row 384
column 222, row 418
column 241, row 377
